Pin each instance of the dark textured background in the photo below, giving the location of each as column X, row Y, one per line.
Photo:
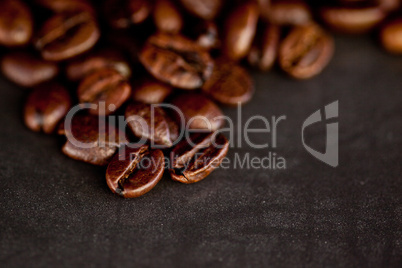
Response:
column 57, row 211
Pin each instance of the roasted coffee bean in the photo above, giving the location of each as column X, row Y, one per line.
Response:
column 264, row 51
column 194, row 159
column 176, row 60
column 391, row 36
column 306, row 51
column 205, row 9
column 105, row 85
column 46, row 106
column 240, row 28
column 59, row 6
column 90, row 139
column 198, row 111
column 354, row 19
column 289, row 12
column 16, row 23
column 135, row 171
column 229, row 83
column 122, row 14
column 67, row 35
column 167, row 17
column 27, row 70
column 151, row 91
column 207, row 35
column 152, row 123
column 389, row 5
column 105, row 59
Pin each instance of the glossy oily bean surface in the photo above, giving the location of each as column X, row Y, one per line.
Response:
column 135, row 171
column 151, row 91
column 176, row 60
column 305, row 51
column 198, row 112
column 391, row 36
column 167, row 17
column 66, row 35
column 16, row 24
column 151, row 123
column 205, row 9
column 194, row 159
column 229, row 83
column 46, row 106
column 240, row 28
column 104, row 87
column 91, row 139
column 27, row 70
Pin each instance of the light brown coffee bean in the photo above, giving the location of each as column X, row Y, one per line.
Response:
column 240, row 28
column 104, row 86
column 67, row 35
column 135, row 171
column 194, row 159
column 27, row 70
column 391, row 36
column 167, row 17
column 46, row 106
column 151, row 91
column 198, row 112
column 229, row 83
column 306, row 51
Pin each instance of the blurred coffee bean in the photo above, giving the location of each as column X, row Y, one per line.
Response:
column 67, row 35
column 151, row 91
column 306, row 51
column 207, row 35
column 59, row 6
column 264, row 51
column 151, row 123
column 240, row 28
column 229, row 83
column 354, row 19
column 389, row 5
column 135, row 171
column 46, row 106
column 205, row 9
column 107, row 87
column 104, row 59
column 289, row 12
column 122, row 14
column 90, row 139
column 167, row 17
column 391, row 36
column 194, row 159
column 198, row 112
column 16, row 23
column 27, row 70
column 176, row 60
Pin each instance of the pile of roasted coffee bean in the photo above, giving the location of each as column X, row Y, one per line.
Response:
column 118, row 57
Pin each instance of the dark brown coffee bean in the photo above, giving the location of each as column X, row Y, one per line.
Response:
column 265, row 48
column 391, row 36
column 176, row 60
column 352, row 20
column 105, row 59
column 240, row 28
column 105, row 85
column 194, row 159
column 198, row 111
column 59, row 6
column 152, row 123
column 122, row 14
column 289, row 12
column 167, row 17
column 205, row 9
column 46, row 106
column 229, row 83
column 67, row 35
column 389, row 5
column 135, row 171
column 15, row 23
column 306, row 51
column 151, row 91
column 27, row 70
column 90, row 139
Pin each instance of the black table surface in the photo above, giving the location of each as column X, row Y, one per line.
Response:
column 59, row 212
